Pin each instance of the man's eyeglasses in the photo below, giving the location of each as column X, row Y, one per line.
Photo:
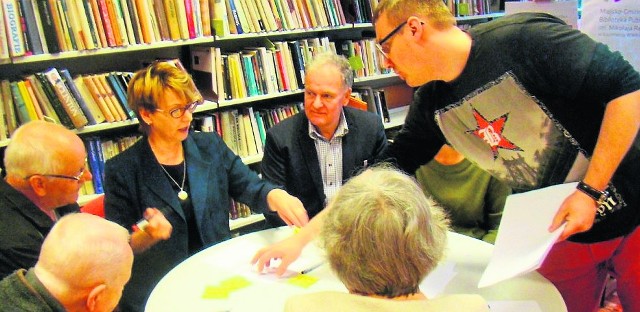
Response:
column 387, row 37
column 61, row 176
column 180, row 111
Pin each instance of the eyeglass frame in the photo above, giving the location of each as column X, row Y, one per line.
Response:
column 389, row 36
column 191, row 107
column 60, row 176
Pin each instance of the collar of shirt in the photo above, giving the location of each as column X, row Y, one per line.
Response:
column 341, row 131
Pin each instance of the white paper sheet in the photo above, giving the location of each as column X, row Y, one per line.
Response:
column 523, row 239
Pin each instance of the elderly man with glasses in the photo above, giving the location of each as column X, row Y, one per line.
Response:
column 45, row 167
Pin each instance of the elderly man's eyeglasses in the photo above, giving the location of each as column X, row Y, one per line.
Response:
column 387, row 37
column 61, row 176
column 180, row 111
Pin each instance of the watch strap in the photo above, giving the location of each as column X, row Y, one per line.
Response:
column 592, row 192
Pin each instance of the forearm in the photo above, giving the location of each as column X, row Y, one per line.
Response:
column 619, row 128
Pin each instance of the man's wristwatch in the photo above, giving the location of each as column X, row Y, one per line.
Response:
column 599, row 196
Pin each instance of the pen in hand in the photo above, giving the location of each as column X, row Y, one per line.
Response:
column 305, row 271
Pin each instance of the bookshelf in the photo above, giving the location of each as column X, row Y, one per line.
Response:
column 132, row 56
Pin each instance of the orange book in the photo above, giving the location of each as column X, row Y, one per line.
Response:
column 110, row 96
column 98, row 98
column 357, row 103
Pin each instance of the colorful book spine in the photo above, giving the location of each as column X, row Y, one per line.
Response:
column 69, row 103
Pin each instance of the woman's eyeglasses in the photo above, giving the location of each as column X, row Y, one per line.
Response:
column 180, row 111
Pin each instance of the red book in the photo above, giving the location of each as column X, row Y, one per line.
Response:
column 188, row 8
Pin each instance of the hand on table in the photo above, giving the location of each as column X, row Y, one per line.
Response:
column 287, row 250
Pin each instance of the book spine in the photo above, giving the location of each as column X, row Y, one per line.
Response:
column 66, row 78
column 55, row 101
column 106, row 23
column 68, row 101
column 188, row 10
column 20, row 104
column 120, row 94
column 98, row 97
column 31, row 26
column 95, row 163
column 13, row 27
column 48, row 26
column 172, row 19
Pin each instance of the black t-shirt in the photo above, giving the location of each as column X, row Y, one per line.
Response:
column 527, row 108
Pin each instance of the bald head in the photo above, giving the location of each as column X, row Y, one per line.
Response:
column 83, row 253
column 39, row 147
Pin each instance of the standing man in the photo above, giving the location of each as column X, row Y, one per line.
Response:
column 535, row 103
column 312, row 154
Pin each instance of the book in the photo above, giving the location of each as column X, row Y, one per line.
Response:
column 66, row 78
column 4, row 48
column 72, row 19
column 182, row 19
column 3, row 117
column 56, row 103
column 69, row 103
column 205, row 17
column 120, row 93
column 49, row 114
column 249, row 74
column 31, row 99
column 13, row 27
column 123, row 9
column 95, row 23
column 31, row 30
column 161, row 19
column 93, row 106
column 88, row 32
column 22, row 112
column 172, row 18
column 98, row 97
column 220, row 19
column 96, row 164
column 256, row 130
column 114, row 104
column 135, row 20
column 204, row 71
column 188, row 11
column 106, row 23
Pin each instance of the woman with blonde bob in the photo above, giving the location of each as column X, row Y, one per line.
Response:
column 382, row 237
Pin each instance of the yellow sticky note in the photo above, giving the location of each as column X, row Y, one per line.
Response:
column 303, row 280
column 215, row 292
column 235, row 283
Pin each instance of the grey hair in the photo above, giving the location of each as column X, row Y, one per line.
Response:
column 332, row 59
column 382, row 235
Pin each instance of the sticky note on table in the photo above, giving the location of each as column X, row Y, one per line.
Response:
column 215, row 292
column 235, row 283
column 303, row 280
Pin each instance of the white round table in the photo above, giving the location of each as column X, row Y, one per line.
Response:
column 182, row 289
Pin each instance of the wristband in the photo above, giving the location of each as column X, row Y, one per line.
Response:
column 599, row 196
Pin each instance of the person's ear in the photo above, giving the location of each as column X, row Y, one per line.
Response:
column 416, row 26
column 347, row 95
column 146, row 116
column 94, row 297
column 37, row 184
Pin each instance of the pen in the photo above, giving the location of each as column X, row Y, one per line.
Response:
column 305, row 271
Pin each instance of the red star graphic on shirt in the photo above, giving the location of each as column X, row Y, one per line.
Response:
column 491, row 132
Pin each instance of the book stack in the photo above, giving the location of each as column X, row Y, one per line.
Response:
column 54, row 95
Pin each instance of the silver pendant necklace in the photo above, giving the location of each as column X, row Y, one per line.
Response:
column 182, row 194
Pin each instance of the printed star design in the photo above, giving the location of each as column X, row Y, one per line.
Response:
column 491, row 132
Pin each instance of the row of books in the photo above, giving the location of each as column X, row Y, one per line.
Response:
column 54, row 95
column 238, row 210
column 250, row 16
column 51, row 26
column 244, row 129
column 469, row 7
column 275, row 66
column 99, row 150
